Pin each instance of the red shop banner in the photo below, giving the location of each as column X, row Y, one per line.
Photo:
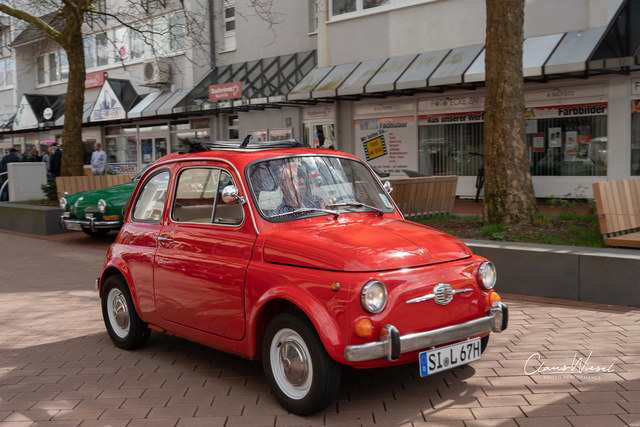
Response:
column 95, row 80
column 225, row 91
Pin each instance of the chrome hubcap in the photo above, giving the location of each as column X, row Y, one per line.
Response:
column 120, row 312
column 294, row 362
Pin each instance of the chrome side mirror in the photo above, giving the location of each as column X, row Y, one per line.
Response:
column 230, row 195
column 388, row 187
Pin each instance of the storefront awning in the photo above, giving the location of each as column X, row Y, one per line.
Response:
column 6, row 120
column 259, row 84
column 418, row 73
column 176, row 97
column 86, row 111
column 596, row 51
column 452, row 69
column 116, row 98
column 37, row 111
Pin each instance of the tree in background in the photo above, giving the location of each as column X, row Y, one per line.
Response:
column 64, row 21
column 508, row 193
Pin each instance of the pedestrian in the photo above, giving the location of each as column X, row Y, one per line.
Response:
column 56, row 160
column 33, row 155
column 24, row 156
column 46, row 157
column 4, row 167
column 98, row 160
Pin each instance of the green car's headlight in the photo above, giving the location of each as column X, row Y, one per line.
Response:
column 102, row 206
column 63, row 204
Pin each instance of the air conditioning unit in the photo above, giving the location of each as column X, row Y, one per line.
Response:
column 156, row 71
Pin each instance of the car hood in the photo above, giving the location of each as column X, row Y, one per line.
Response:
column 382, row 244
column 116, row 195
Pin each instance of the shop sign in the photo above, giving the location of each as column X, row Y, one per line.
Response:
column 225, row 91
column 25, row 117
column 47, row 114
column 451, row 102
column 635, row 86
column 383, row 109
column 95, row 80
column 387, row 143
column 597, row 109
column 108, row 106
column 451, row 118
column 566, row 92
column 326, row 112
column 123, row 168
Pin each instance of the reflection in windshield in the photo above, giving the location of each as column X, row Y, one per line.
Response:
column 284, row 185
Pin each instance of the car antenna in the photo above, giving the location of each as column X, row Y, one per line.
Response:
column 245, row 142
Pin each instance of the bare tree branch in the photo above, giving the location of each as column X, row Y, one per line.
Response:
column 47, row 29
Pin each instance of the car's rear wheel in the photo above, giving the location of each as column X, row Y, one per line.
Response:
column 98, row 233
column 125, row 328
column 302, row 376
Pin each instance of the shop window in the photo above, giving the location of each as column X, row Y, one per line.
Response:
column 635, row 137
column 87, row 150
column 179, row 140
column 122, row 149
column 563, row 143
column 180, row 125
column 229, row 16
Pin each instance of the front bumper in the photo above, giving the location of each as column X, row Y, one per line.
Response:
column 392, row 345
column 92, row 224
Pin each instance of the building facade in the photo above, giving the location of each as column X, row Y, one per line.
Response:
column 400, row 83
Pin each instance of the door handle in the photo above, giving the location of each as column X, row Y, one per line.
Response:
column 164, row 239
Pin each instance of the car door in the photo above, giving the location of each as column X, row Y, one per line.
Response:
column 204, row 250
column 137, row 241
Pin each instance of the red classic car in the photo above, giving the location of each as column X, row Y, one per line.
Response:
column 298, row 256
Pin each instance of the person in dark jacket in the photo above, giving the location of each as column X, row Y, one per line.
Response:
column 33, row 155
column 4, row 167
column 56, row 160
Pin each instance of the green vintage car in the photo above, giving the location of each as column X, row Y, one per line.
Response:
column 96, row 212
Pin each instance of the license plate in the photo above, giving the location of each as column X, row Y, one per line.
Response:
column 451, row 356
column 73, row 226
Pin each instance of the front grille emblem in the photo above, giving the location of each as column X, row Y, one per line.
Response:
column 443, row 293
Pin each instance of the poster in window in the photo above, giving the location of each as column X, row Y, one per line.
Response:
column 280, row 134
column 386, row 143
column 537, row 142
column 258, row 135
column 635, row 106
column 571, row 146
column 555, row 137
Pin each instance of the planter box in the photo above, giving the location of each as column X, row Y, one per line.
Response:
column 30, row 219
column 600, row 275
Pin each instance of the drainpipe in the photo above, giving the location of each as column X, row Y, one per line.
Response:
column 212, row 34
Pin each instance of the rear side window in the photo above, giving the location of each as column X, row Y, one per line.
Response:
column 199, row 198
column 152, row 198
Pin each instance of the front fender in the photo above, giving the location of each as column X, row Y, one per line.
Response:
column 326, row 309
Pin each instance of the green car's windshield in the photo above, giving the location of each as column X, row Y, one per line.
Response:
column 294, row 187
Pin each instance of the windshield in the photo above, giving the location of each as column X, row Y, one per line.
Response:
column 295, row 187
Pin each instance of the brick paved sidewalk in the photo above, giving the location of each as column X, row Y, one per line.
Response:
column 59, row 368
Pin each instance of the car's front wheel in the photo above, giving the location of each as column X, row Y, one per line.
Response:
column 125, row 328
column 98, row 233
column 302, row 376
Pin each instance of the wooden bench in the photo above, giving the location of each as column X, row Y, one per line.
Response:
column 618, row 206
column 424, row 196
column 75, row 184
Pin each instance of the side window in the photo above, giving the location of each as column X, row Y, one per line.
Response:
column 227, row 214
column 152, row 199
column 196, row 195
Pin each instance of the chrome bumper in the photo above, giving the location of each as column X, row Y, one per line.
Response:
column 392, row 345
column 91, row 224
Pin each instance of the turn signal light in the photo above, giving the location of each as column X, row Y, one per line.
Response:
column 111, row 217
column 364, row 328
column 493, row 297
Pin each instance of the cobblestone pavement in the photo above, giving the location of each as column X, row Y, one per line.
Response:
column 59, row 368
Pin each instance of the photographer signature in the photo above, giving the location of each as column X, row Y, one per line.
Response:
column 576, row 365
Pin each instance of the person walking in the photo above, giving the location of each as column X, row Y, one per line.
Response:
column 98, row 160
column 56, row 160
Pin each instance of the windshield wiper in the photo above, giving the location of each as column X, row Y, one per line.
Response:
column 357, row 205
column 305, row 210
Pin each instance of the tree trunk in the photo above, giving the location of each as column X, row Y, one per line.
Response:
column 72, row 153
column 508, row 196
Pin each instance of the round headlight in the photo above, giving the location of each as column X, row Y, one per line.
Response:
column 63, row 204
column 102, row 206
column 374, row 296
column 487, row 275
